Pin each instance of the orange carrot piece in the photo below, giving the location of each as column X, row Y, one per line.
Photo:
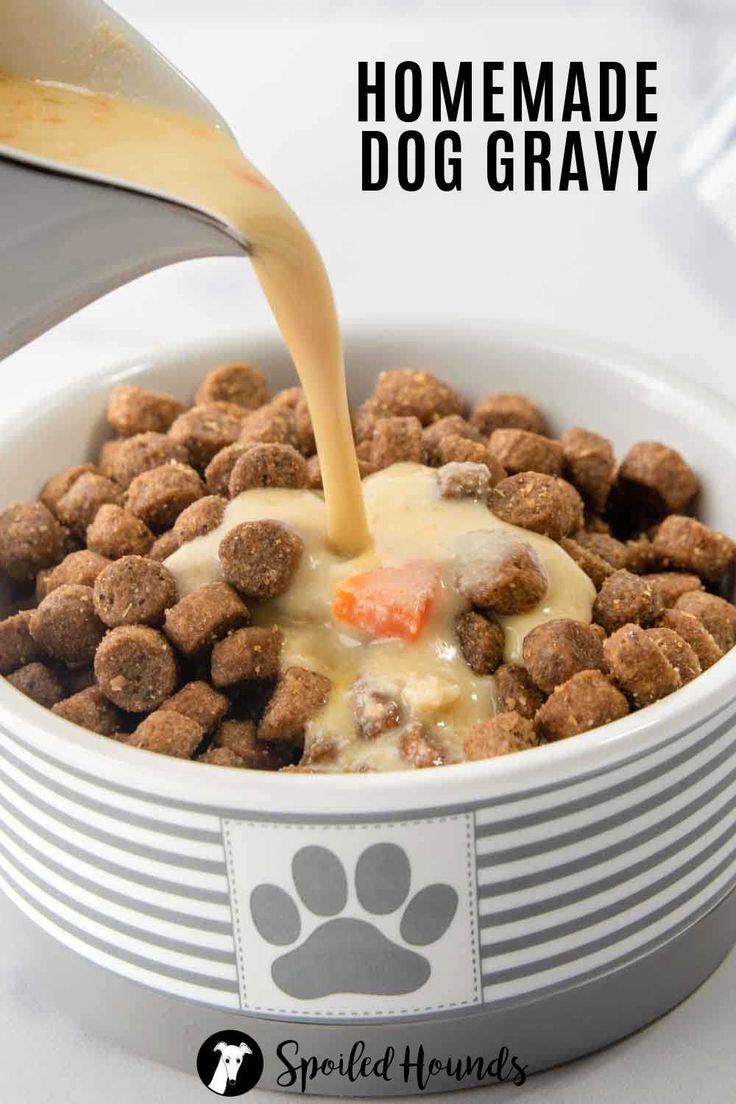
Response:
column 389, row 601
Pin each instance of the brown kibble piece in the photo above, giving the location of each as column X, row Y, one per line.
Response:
column 655, row 480
column 506, row 410
column 405, row 393
column 671, row 585
column 464, row 480
column 271, row 424
column 416, row 747
column 590, row 465
column 396, row 439
column 56, row 487
column 218, row 471
column 221, row 757
column 596, row 568
column 132, row 409
column 201, row 702
column 460, row 450
column 117, row 532
column 640, row 666
column 314, row 474
column 239, row 738
column 135, row 668
column 695, row 634
column 716, row 614
column 605, row 546
column 158, row 496
column 91, row 709
column 164, row 546
column 66, row 626
column 39, row 683
column 134, row 591
column 168, row 733
column 497, row 571
column 685, row 544
column 556, row 650
column 515, row 691
column 78, row 567
column 17, row 646
column 641, row 556
column 200, row 518
column 206, row 615
column 518, row 450
column 293, row 399
column 587, row 700
column 625, row 598
column 542, row 503
column 376, row 707
column 203, row 431
column 299, row 694
column 106, row 458
column 451, row 426
column 268, row 465
column 237, row 383
column 259, row 558
column 140, row 453
column 677, row 651
column 30, row 540
column 481, row 642
column 500, row 735
column 249, row 653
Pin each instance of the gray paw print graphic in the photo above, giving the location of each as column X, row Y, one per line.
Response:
column 348, row 954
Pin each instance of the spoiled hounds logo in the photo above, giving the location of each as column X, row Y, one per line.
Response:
column 230, row 1063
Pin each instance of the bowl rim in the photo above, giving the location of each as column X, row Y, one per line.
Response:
column 585, row 754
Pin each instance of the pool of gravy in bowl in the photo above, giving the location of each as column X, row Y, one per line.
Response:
column 397, row 516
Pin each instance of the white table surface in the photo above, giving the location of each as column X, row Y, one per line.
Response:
column 283, row 73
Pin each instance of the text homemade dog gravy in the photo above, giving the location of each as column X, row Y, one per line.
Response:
column 519, row 102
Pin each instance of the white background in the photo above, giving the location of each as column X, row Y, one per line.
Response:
column 283, row 74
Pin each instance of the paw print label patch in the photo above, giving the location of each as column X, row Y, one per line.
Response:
column 359, row 920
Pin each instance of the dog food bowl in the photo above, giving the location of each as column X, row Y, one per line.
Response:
column 533, row 907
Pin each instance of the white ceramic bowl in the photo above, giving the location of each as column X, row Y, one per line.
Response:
column 548, row 902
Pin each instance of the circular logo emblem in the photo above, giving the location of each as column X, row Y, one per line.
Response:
column 230, row 1063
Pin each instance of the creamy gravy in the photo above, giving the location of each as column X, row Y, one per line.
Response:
column 408, row 521
column 171, row 153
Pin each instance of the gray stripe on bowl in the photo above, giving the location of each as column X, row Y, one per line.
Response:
column 615, row 820
column 532, row 820
column 591, row 889
column 154, row 881
column 125, row 927
column 163, row 828
column 371, row 818
column 172, row 916
column 538, row 965
column 192, row 977
column 610, row 851
column 607, row 912
column 192, row 950
column 156, row 854
column 638, row 952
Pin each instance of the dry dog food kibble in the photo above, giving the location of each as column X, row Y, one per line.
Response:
column 132, row 409
column 66, row 625
column 135, row 668
column 134, row 591
column 203, row 617
column 259, row 558
column 116, row 532
column 178, row 593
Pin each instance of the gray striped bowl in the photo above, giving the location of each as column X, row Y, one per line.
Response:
column 545, row 903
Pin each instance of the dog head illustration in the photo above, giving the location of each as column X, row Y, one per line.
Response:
column 231, row 1058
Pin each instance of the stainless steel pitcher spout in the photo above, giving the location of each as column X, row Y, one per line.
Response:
column 68, row 236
